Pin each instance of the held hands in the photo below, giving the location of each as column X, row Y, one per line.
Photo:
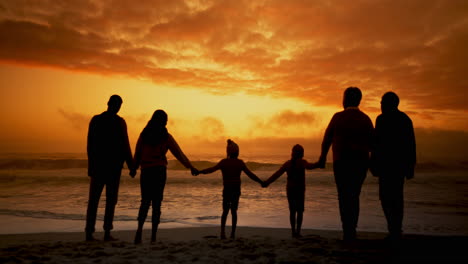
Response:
column 264, row 184
column 194, row 171
column 133, row 173
column 316, row 165
column 321, row 162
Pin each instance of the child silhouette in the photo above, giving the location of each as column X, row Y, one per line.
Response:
column 231, row 169
column 295, row 187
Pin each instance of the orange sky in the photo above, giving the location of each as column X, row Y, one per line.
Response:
column 266, row 73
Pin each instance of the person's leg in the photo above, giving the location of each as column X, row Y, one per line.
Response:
column 343, row 199
column 112, row 194
column 292, row 211
column 397, row 229
column 384, row 195
column 234, row 222
column 223, row 223
column 157, row 198
column 95, row 190
column 226, row 207
column 292, row 221
column 145, row 188
column 235, row 196
column 349, row 177
column 300, row 211
column 359, row 175
column 391, row 197
column 299, row 223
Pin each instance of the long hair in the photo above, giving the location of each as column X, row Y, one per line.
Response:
column 155, row 131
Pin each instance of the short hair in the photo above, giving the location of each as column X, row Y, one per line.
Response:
column 390, row 100
column 115, row 100
column 352, row 97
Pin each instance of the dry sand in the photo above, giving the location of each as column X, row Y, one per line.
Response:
column 253, row 245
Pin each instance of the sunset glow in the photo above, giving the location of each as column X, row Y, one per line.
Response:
column 267, row 73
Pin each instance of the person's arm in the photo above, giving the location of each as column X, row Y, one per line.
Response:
column 375, row 155
column 311, row 166
column 326, row 143
column 250, row 174
column 127, row 149
column 211, row 169
column 277, row 174
column 91, row 146
column 412, row 150
column 177, row 152
column 137, row 157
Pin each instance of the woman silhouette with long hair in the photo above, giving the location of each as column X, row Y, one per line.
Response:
column 150, row 154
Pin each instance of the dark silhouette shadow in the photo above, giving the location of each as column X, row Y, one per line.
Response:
column 231, row 169
column 393, row 159
column 150, row 154
column 108, row 148
column 295, row 187
column 350, row 133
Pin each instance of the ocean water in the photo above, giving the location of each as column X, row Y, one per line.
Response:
column 49, row 193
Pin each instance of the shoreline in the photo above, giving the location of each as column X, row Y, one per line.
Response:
column 20, row 225
column 252, row 245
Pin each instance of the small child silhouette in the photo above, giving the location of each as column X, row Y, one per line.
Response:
column 231, row 169
column 295, row 187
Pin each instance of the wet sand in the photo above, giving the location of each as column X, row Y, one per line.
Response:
column 252, row 245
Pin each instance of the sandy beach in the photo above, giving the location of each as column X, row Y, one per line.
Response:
column 253, row 245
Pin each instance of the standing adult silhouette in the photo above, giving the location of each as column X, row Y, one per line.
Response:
column 108, row 148
column 150, row 154
column 350, row 132
column 393, row 159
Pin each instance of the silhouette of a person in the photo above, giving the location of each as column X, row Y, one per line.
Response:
column 295, row 187
column 351, row 134
column 108, row 148
column 393, row 159
column 150, row 154
column 231, row 169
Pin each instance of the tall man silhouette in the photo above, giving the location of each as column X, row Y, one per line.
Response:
column 393, row 159
column 350, row 132
column 108, row 148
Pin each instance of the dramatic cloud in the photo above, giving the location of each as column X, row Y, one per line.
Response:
column 309, row 50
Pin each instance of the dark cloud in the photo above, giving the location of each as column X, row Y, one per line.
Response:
column 290, row 118
column 310, row 50
column 285, row 123
column 76, row 120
